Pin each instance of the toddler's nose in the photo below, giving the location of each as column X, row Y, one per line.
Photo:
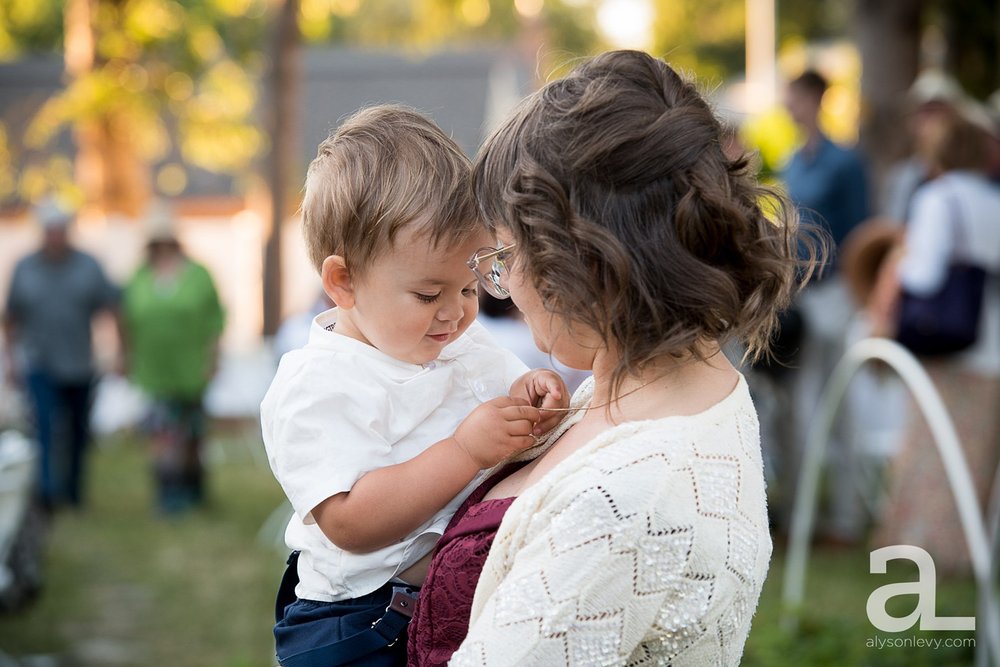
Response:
column 449, row 312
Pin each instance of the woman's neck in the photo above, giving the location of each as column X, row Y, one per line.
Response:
column 665, row 387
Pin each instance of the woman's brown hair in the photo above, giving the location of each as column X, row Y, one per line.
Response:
column 954, row 143
column 629, row 218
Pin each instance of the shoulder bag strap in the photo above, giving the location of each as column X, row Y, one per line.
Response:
column 955, row 219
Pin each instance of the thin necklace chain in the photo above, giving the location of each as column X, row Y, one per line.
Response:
column 603, row 405
column 627, row 393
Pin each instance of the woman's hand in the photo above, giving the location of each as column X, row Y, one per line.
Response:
column 545, row 390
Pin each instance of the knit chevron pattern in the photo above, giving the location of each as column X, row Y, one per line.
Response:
column 648, row 546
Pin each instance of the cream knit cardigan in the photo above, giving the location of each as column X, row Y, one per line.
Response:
column 647, row 546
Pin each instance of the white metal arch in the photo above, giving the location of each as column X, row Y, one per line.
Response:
column 929, row 401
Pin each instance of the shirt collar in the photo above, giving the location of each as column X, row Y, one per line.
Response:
column 321, row 334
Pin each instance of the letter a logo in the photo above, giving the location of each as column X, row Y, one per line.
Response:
column 925, row 588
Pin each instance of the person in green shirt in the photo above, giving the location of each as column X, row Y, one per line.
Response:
column 171, row 323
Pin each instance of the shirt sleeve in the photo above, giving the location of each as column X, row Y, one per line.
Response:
column 13, row 305
column 929, row 243
column 856, row 194
column 320, row 440
column 107, row 294
column 496, row 360
column 586, row 584
column 513, row 367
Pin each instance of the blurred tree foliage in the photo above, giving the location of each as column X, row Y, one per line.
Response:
column 28, row 26
column 970, row 31
column 177, row 80
column 555, row 31
column 706, row 37
column 147, row 78
column 180, row 78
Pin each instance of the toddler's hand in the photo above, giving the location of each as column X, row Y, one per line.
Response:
column 497, row 429
column 543, row 389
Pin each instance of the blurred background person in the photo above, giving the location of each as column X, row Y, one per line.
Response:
column 828, row 184
column 876, row 398
column 171, row 323
column 992, row 110
column 768, row 377
column 55, row 294
column 954, row 216
column 932, row 99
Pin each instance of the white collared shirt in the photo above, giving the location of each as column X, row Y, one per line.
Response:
column 339, row 408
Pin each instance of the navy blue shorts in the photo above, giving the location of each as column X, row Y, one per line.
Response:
column 307, row 624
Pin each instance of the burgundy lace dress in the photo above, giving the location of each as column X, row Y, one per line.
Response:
column 441, row 619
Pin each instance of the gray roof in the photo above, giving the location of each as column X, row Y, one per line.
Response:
column 25, row 85
column 452, row 88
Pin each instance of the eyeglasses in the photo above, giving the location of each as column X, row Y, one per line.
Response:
column 490, row 267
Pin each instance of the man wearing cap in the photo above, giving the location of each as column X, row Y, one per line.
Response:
column 55, row 293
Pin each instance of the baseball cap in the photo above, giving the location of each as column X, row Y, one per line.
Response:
column 52, row 213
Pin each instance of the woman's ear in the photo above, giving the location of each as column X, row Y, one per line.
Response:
column 337, row 281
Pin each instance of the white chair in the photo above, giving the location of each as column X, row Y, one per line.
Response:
column 20, row 531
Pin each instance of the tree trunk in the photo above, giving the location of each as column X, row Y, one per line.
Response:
column 79, row 62
column 888, row 34
column 108, row 170
column 283, row 126
column 970, row 28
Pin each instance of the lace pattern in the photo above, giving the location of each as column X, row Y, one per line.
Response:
column 648, row 546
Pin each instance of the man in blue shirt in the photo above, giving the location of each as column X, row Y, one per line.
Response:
column 829, row 186
column 827, row 182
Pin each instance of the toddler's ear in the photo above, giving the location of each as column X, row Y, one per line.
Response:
column 337, row 281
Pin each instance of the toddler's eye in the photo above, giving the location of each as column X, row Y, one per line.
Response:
column 427, row 298
column 471, row 291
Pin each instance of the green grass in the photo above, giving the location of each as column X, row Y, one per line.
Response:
column 834, row 630
column 125, row 587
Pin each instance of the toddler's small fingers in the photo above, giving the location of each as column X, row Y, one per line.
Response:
column 515, row 413
column 522, row 442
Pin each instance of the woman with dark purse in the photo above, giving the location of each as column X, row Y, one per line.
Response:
column 953, row 233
